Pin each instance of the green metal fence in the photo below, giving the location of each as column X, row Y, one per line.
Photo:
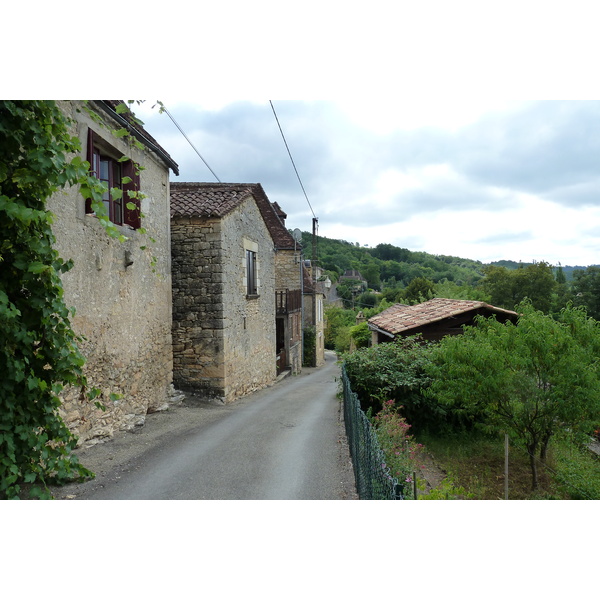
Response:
column 373, row 478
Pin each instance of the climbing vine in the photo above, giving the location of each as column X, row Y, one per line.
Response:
column 38, row 347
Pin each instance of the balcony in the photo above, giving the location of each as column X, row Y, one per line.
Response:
column 288, row 301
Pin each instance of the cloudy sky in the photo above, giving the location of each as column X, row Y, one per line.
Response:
column 405, row 119
column 517, row 180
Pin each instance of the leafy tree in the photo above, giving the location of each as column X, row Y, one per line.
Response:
column 498, row 284
column 419, row 290
column 38, row 348
column 537, row 283
column 450, row 289
column 371, row 273
column 366, row 300
column 586, row 290
column 361, row 334
column 348, row 290
column 391, row 269
column 507, row 288
column 528, row 380
column 388, row 252
column 336, row 320
column 38, row 351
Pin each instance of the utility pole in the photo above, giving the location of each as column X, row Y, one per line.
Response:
column 313, row 268
column 315, row 225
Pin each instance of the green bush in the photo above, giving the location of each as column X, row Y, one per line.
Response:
column 576, row 471
column 361, row 334
column 337, row 319
column 395, row 371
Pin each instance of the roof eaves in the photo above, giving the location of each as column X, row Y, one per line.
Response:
column 138, row 132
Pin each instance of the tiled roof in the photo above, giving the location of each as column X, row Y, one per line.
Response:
column 272, row 216
column 206, row 199
column 199, row 199
column 400, row 318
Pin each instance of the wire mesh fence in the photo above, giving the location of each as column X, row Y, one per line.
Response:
column 373, row 478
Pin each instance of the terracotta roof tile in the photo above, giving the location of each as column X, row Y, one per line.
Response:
column 400, row 318
column 206, row 199
column 200, row 199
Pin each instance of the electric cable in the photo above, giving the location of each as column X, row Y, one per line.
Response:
column 189, row 141
column 293, row 164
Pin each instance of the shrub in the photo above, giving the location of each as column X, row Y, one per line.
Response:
column 576, row 471
column 399, row 447
column 361, row 334
column 395, row 371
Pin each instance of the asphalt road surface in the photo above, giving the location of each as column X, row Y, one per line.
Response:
column 284, row 442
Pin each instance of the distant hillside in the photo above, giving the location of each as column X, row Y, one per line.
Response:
column 567, row 270
column 389, row 265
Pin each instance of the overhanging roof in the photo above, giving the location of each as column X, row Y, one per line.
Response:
column 400, row 318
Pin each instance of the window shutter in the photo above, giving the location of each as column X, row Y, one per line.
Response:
column 90, row 159
column 133, row 218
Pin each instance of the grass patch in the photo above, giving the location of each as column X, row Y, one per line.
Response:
column 475, row 466
column 577, row 470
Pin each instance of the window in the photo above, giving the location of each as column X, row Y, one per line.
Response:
column 107, row 164
column 251, row 279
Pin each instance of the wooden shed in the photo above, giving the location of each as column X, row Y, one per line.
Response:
column 433, row 319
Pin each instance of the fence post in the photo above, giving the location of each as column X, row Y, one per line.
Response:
column 398, row 489
column 506, row 466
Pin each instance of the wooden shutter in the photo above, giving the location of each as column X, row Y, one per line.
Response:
column 133, row 218
column 91, row 158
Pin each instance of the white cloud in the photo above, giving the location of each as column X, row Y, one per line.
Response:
column 486, row 181
column 384, row 115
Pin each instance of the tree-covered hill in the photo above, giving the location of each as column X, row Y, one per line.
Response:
column 386, row 263
column 390, row 266
column 398, row 275
column 511, row 265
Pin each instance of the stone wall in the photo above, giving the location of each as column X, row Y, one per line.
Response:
column 287, row 277
column 122, row 301
column 223, row 341
column 313, row 317
column 198, row 317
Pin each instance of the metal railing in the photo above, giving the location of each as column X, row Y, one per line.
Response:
column 373, row 478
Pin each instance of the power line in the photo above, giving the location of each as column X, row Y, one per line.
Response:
column 293, row 164
column 188, row 139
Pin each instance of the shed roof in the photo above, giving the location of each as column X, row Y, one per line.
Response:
column 401, row 318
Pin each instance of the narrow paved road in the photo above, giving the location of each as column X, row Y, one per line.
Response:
column 283, row 442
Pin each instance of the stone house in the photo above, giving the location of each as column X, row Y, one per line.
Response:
column 121, row 292
column 227, row 240
column 314, row 291
column 288, row 290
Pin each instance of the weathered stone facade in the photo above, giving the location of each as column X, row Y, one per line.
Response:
column 288, row 285
column 314, row 296
column 223, row 334
column 287, row 279
column 122, row 300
